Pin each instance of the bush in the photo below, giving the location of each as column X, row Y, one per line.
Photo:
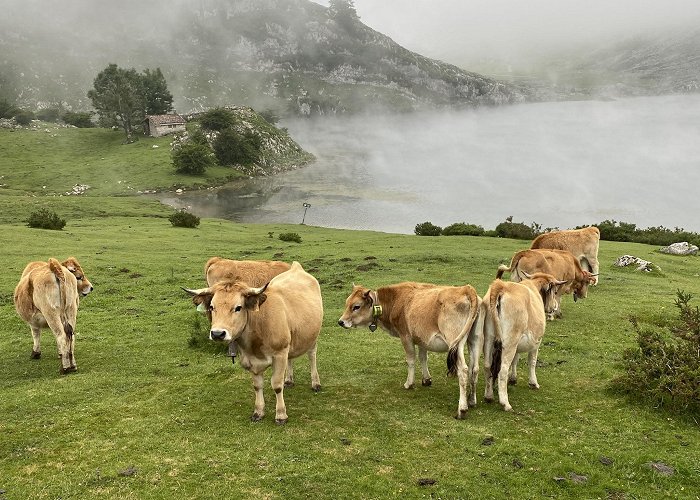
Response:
column 427, row 229
column 46, row 219
column 290, row 237
column 516, row 230
column 48, row 114
column 8, row 110
column 192, row 158
column 217, row 119
column 232, row 148
column 181, row 218
column 462, row 229
column 665, row 369
column 82, row 119
column 611, row 230
column 24, row 117
column 198, row 137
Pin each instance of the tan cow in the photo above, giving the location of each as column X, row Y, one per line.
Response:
column 47, row 296
column 561, row 264
column 583, row 243
column 270, row 324
column 514, row 321
column 254, row 273
column 434, row 318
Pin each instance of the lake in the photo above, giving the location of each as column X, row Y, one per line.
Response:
column 558, row 164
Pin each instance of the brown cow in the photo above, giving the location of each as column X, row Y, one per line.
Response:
column 253, row 272
column 47, row 296
column 513, row 319
column 271, row 324
column 435, row 318
column 561, row 264
column 583, row 243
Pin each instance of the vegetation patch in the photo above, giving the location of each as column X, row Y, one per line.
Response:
column 182, row 218
column 46, row 219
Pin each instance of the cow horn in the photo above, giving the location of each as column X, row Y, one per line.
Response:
column 557, row 282
column 527, row 276
column 196, row 292
column 258, row 291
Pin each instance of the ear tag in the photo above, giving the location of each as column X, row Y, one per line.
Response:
column 372, row 327
column 201, row 308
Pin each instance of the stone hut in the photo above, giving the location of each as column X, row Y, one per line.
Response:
column 158, row 125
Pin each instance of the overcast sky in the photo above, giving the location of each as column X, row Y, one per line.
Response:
column 465, row 30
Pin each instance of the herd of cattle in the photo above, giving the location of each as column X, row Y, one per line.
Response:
column 270, row 312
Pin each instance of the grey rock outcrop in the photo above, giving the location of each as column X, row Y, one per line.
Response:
column 631, row 260
column 681, row 248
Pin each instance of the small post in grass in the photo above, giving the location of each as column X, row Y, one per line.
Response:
column 306, row 207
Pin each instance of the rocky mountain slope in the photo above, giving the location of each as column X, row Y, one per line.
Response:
column 292, row 56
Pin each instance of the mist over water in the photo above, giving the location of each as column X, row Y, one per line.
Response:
column 558, row 164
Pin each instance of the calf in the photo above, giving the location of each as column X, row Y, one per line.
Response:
column 514, row 322
column 435, row 318
column 47, row 296
column 270, row 324
column 583, row 243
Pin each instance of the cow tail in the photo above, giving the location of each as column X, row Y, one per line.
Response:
column 453, row 353
column 57, row 270
column 497, row 351
column 510, row 268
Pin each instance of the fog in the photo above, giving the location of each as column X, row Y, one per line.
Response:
column 556, row 164
column 469, row 32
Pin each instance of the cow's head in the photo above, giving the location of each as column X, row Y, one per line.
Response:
column 227, row 305
column 359, row 308
column 84, row 285
column 548, row 287
column 579, row 286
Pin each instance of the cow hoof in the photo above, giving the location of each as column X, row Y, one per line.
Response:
column 316, row 388
column 427, row 382
column 472, row 404
column 534, row 386
column 488, row 400
column 288, row 383
column 233, row 360
column 35, row 355
column 461, row 414
column 507, row 407
column 281, row 421
column 66, row 371
column 513, row 381
column 407, row 387
column 256, row 417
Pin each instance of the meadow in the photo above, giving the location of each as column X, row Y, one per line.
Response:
column 156, row 410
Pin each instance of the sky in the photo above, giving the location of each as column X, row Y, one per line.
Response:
column 459, row 31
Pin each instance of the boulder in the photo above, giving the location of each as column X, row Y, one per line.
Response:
column 631, row 260
column 682, row 248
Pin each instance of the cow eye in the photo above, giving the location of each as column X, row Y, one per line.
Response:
column 237, row 309
column 211, row 307
column 355, row 307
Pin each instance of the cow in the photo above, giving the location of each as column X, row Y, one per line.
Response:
column 47, row 296
column 583, row 243
column 254, row 273
column 432, row 317
column 561, row 264
column 513, row 319
column 271, row 324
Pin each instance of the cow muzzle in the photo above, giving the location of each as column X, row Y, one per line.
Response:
column 342, row 323
column 217, row 334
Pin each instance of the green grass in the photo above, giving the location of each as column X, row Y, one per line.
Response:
column 158, row 411
column 179, row 415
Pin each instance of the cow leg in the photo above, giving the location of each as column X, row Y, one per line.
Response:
column 36, row 337
column 489, row 338
column 410, row 349
column 595, row 267
column 259, row 400
column 476, row 344
column 423, row 358
column 279, row 365
column 289, row 377
column 532, row 363
column 513, row 371
column 315, row 380
column 507, row 356
column 63, row 344
column 463, row 375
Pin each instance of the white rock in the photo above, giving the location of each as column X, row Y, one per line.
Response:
column 682, row 248
column 631, row 260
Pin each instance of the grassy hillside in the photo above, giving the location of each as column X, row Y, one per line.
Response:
column 149, row 416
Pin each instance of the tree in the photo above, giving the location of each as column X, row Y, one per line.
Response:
column 232, row 148
column 119, row 98
column 217, row 119
column 343, row 12
column 159, row 100
column 192, row 159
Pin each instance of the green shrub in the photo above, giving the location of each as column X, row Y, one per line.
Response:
column 181, row 218
column 232, row 148
column 217, row 119
column 82, row 119
column 192, row 158
column 427, row 229
column 49, row 114
column 290, row 237
column 7, row 109
column 198, row 137
column 664, row 368
column 46, row 219
column 24, row 117
column 611, row 230
column 516, row 230
column 463, row 229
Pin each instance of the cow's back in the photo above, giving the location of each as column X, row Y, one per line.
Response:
column 38, row 290
column 254, row 272
column 577, row 241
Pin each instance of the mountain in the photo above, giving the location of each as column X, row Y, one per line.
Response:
column 290, row 56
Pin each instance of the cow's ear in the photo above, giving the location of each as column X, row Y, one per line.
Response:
column 253, row 302
column 366, row 295
column 203, row 298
